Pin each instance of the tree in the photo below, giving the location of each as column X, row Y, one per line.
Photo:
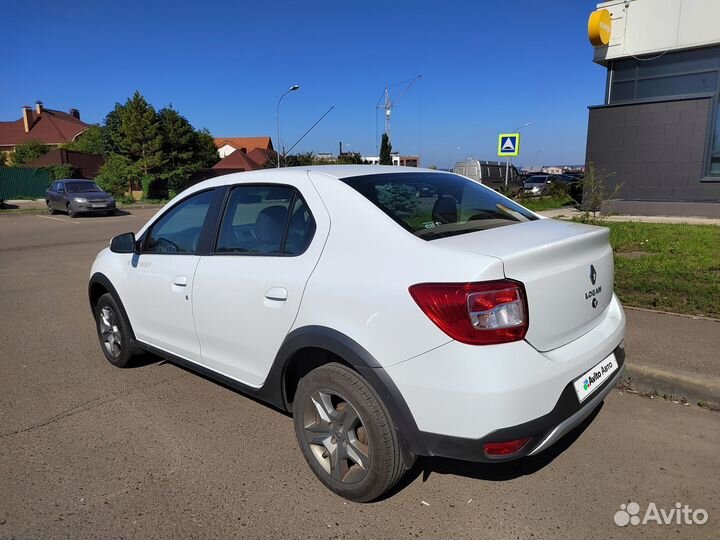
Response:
column 26, row 152
column 159, row 150
column 385, row 150
column 400, row 198
column 118, row 175
column 180, row 144
column 136, row 134
column 350, row 158
column 206, row 151
column 299, row 160
column 90, row 141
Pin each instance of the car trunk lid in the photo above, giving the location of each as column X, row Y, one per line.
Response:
column 566, row 268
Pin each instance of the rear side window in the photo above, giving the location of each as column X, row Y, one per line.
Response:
column 265, row 220
column 457, row 205
column 178, row 231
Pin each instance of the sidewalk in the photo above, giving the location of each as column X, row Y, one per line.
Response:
column 673, row 354
column 569, row 213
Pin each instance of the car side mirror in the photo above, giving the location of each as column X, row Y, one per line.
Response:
column 123, row 243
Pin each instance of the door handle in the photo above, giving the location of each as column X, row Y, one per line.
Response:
column 180, row 281
column 277, row 293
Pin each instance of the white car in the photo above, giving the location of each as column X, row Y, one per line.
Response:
column 390, row 325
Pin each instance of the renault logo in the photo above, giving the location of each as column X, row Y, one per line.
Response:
column 593, row 274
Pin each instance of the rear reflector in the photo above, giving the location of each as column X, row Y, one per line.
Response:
column 482, row 313
column 506, row 448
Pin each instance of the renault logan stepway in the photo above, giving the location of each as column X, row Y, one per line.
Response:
column 394, row 312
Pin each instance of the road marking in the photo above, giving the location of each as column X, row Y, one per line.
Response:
column 58, row 219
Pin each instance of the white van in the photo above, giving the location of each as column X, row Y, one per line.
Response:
column 489, row 173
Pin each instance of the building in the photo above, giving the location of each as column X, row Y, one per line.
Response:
column 47, row 126
column 228, row 145
column 397, row 160
column 561, row 169
column 658, row 130
column 87, row 165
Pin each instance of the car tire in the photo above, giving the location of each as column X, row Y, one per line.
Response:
column 71, row 213
column 50, row 209
column 346, row 434
column 113, row 332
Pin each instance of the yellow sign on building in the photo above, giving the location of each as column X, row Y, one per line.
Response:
column 599, row 27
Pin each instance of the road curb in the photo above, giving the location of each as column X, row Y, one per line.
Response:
column 686, row 315
column 677, row 383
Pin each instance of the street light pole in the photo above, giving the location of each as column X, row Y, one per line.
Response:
column 293, row 88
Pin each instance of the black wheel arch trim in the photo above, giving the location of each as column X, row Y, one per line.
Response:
column 101, row 279
column 364, row 363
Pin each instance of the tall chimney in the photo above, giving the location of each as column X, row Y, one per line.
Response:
column 39, row 107
column 74, row 113
column 27, row 118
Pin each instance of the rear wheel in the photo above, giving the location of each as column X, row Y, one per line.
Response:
column 113, row 332
column 346, row 434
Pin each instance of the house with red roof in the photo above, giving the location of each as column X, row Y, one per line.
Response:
column 228, row 145
column 243, row 153
column 47, row 126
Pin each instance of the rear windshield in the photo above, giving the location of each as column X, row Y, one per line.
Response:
column 81, row 187
column 437, row 205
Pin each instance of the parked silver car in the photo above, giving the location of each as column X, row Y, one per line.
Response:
column 78, row 196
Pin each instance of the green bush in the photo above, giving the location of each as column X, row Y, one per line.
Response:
column 116, row 175
column 60, row 172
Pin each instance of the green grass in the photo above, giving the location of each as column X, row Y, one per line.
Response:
column 670, row 267
column 538, row 204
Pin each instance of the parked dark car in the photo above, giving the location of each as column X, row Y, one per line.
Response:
column 78, row 197
column 539, row 184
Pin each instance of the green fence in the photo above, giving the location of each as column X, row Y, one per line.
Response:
column 18, row 183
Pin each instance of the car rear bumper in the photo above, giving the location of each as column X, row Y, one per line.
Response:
column 543, row 432
column 463, row 396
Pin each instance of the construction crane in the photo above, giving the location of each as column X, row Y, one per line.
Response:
column 386, row 103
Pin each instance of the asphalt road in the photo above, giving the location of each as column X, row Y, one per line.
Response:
column 88, row 450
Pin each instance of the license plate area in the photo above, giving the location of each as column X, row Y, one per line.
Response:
column 99, row 205
column 593, row 379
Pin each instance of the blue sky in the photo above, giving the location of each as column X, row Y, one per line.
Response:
column 487, row 67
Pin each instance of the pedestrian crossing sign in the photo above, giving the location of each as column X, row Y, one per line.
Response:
column 509, row 144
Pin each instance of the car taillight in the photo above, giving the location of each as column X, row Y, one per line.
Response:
column 482, row 313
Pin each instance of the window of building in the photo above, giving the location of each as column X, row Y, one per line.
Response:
column 695, row 72
column 715, row 149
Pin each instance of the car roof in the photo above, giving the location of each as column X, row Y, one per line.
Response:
column 66, row 180
column 287, row 173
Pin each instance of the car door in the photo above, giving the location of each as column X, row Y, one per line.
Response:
column 51, row 195
column 59, row 197
column 248, row 291
column 158, row 281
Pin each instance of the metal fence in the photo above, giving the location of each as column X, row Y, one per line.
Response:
column 18, row 183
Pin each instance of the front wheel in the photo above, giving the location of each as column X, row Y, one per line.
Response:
column 346, row 434
column 113, row 332
column 50, row 209
column 71, row 213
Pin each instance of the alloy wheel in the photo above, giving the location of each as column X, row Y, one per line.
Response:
column 336, row 436
column 110, row 332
